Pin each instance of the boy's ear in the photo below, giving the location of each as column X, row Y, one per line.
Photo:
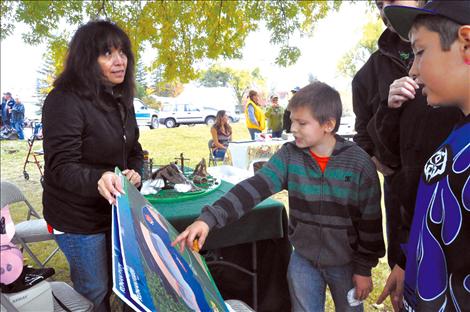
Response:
column 330, row 125
column 464, row 39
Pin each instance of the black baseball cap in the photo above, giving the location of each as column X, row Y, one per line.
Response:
column 402, row 17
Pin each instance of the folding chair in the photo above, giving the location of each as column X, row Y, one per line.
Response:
column 37, row 135
column 46, row 296
column 28, row 231
column 257, row 164
column 213, row 159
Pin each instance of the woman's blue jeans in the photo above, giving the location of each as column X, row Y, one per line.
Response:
column 219, row 153
column 307, row 285
column 89, row 258
column 277, row 134
column 252, row 132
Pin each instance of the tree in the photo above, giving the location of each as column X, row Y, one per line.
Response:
column 162, row 87
column 183, row 32
column 140, row 80
column 239, row 80
column 357, row 56
column 44, row 83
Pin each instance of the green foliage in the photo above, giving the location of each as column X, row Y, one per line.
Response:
column 183, row 32
column 160, row 86
column 140, row 83
column 240, row 80
column 46, row 77
column 357, row 56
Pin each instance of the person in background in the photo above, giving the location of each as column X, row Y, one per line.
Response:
column 17, row 118
column 254, row 115
column 274, row 115
column 221, row 133
column 399, row 139
column 89, row 129
column 4, row 103
column 335, row 219
column 286, row 122
column 370, row 88
column 6, row 109
column 436, row 274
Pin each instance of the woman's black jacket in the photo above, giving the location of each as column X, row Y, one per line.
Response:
column 81, row 142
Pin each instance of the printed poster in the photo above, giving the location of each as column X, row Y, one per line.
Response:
column 148, row 273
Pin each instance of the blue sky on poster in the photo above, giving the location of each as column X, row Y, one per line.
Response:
column 333, row 36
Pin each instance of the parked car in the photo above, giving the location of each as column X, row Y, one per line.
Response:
column 145, row 115
column 233, row 117
column 173, row 115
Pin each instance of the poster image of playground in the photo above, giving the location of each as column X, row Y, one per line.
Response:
column 157, row 276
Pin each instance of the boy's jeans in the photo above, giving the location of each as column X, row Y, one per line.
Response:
column 89, row 259
column 307, row 285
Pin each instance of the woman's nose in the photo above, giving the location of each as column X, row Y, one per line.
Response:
column 118, row 58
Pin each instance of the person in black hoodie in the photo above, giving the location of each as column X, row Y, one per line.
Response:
column 370, row 87
column 89, row 129
column 413, row 132
column 398, row 140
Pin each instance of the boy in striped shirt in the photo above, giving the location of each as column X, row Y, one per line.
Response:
column 335, row 221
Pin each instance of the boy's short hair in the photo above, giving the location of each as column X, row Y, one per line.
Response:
column 323, row 101
column 403, row 18
column 447, row 29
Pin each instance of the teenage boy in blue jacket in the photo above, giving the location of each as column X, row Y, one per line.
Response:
column 436, row 276
column 335, row 220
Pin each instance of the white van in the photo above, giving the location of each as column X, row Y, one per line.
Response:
column 173, row 115
column 145, row 115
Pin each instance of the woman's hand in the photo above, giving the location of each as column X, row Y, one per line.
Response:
column 401, row 90
column 109, row 186
column 133, row 177
column 198, row 230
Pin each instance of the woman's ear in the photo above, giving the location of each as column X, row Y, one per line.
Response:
column 464, row 39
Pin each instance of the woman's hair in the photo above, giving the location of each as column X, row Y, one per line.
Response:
column 252, row 94
column 219, row 122
column 82, row 73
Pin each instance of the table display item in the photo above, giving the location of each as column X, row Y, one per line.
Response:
column 148, row 273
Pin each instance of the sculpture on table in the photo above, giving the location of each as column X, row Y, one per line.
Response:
column 172, row 174
column 200, row 172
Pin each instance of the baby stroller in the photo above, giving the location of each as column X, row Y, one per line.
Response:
column 37, row 135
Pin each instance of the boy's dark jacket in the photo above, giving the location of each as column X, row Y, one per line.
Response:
column 81, row 142
column 401, row 138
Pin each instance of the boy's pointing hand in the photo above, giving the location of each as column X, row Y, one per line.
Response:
column 198, row 230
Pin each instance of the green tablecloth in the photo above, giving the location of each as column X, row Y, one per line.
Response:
column 263, row 222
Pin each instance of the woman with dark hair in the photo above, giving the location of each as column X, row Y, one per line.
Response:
column 89, row 129
column 221, row 134
column 255, row 119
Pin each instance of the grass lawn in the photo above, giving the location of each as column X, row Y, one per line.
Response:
column 163, row 145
